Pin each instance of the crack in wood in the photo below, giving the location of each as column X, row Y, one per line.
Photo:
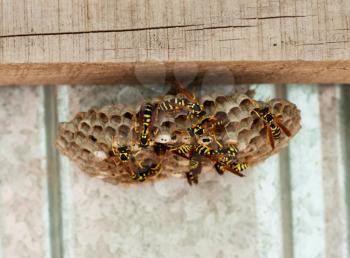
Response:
column 97, row 31
column 223, row 27
column 276, row 17
column 322, row 43
column 235, row 39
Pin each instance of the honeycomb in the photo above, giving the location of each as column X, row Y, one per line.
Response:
column 87, row 138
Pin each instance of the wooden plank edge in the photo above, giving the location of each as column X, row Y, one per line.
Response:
column 154, row 72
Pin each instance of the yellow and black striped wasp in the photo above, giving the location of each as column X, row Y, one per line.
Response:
column 272, row 123
column 140, row 174
column 225, row 158
column 122, row 152
column 183, row 150
column 229, row 161
column 189, row 102
column 147, row 117
column 208, row 125
column 235, row 167
column 123, row 156
column 197, row 152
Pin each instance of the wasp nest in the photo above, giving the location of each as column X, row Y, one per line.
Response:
column 87, row 139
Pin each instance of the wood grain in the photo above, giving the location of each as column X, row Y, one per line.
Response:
column 122, row 32
column 221, row 72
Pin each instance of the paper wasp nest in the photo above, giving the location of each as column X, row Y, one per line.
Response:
column 87, row 139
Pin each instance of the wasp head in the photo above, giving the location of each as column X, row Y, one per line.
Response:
column 124, row 153
column 198, row 110
column 144, row 141
column 261, row 111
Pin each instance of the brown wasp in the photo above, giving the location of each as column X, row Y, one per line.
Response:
column 272, row 123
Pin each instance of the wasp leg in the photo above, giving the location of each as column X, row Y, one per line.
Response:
column 115, row 162
column 114, row 146
column 216, row 140
column 155, row 170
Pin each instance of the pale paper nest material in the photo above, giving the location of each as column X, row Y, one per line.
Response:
column 87, row 139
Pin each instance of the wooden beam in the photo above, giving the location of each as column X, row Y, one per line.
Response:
column 65, row 35
column 219, row 72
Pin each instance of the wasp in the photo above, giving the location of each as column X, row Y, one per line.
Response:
column 204, row 150
column 228, row 160
column 174, row 104
column 201, row 127
column 228, row 164
column 196, row 110
column 123, row 152
column 195, row 169
column 196, row 155
column 208, row 125
column 146, row 171
column 272, row 123
column 147, row 118
column 184, row 150
column 230, row 150
column 123, row 155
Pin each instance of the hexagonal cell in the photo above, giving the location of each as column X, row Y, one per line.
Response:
column 78, row 117
column 92, row 116
column 168, row 124
column 68, row 135
column 243, row 136
column 103, row 117
column 123, row 130
column 110, row 132
column 277, row 107
column 209, row 106
column 181, row 119
column 221, row 99
column 79, row 136
column 234, row 114
column 92, row 138
column 84, row 127
column 115, row 119
column 233, row 127
column 97, row 129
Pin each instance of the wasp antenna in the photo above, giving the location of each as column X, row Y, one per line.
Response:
column 216, row 140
